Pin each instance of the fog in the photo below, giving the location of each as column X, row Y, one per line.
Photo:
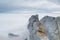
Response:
column 17, row 24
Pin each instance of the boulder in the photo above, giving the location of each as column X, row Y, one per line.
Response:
column 32, row 19
column 11, row 35
column 37, row 32
column 45, row 29
column 51, row 28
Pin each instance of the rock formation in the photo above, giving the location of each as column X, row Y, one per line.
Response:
column 51, row 28
column 11, row 35
column 36, row 29
column 46, row 28
column 32, row 19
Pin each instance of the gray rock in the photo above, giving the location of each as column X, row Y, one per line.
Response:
column 33, row 19
column 50, row 26
column 11, row 35
column 47, row 27
column 58, row 23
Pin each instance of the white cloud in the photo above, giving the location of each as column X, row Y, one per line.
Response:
column 38, row 4
column 43, row 4
column 30, row 3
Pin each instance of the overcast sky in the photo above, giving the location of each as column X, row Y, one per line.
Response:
column 29, row 5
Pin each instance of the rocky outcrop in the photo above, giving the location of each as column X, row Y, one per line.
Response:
column 32, row 19
column 51, row 28
column 37, row 32
column 46, row 28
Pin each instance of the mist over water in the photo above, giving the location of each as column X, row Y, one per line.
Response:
column 17, row 24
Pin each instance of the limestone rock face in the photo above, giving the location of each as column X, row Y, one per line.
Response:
column 51, row 28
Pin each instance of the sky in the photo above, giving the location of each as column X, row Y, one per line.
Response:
column 43, row 6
